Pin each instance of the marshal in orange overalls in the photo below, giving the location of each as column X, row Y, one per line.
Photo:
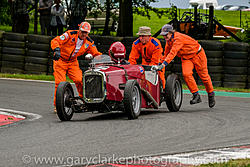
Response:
column 151, row 53
column 71, row 47
column 192, row 56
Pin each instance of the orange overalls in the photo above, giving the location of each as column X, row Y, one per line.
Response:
column 192, row 55
column 68, row 64
column 151, row 53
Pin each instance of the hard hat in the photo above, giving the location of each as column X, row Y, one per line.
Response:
column 117, row 51
column 85, row 26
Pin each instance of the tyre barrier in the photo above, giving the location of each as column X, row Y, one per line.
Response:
column 13, row 52
column 235, row 65
column 214, row 54
column 38, row 53
column 228, row 63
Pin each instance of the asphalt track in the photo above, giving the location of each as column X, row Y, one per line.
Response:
column 100, row 136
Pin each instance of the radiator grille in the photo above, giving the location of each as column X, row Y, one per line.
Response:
column 93, row 86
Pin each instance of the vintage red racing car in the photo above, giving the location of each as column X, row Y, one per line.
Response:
column 112, row 86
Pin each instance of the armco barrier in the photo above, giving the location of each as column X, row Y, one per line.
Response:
column 228, row 63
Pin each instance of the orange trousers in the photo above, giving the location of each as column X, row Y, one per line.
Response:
column 199, row 62
column 162, row 77
column 72, row 69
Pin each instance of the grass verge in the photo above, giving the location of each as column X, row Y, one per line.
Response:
column 231, row 163
column 51, row 78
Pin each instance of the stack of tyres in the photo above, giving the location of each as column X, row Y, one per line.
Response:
column 13, row 52
column 214, row 53
column 38, row 54
column 235, row 64
column 103, row 42
column 127, row 42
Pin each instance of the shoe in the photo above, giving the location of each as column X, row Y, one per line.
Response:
column 55, row 110
column 196, row 99
column 211, row 100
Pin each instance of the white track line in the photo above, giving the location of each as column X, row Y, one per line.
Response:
column 30, row 116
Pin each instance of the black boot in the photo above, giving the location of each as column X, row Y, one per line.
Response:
column 211, row 100
column 196, row 99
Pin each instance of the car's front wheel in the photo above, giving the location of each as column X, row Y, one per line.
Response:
column 132, row 99
column 173, row 93
column 64, row 94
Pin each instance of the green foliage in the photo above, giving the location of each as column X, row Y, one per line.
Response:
column 143, row 8
column 5, row 18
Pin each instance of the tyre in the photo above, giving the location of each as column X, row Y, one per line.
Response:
column 37, row 53
column 17, row 51
column 13, row 44
column 214, row 54
column 63, row 105
column 211, row 45
column 36, row 60
column 214, row 61
column 235, row 78
column 14, row 36
column 35, row 67
column 174, row 93
column 38, row 46
column 10, row 64
column 216, row 77
column 236, row 46
column 215, row 69
column 41, row 39
column 128, row 41
column 235, row 62
column 241, row 85
column 103, row 48
column 132, row 99
column 235, row 70
column 11, row 70
column 13, row 58
column 235, row 55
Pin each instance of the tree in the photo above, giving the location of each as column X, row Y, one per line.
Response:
column 140, row 7
column 125, row 26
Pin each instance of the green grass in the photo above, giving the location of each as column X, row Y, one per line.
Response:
column 51, row 78
column 231, row 163
column 31, row 77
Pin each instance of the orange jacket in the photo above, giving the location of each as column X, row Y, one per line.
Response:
column 153, row 52
column 181, row 45
column 67, row 44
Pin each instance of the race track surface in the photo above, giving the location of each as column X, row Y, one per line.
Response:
column 96, row 136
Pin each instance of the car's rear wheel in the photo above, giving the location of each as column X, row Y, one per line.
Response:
column 132, row 99
column 63, row 103
column 174, row 93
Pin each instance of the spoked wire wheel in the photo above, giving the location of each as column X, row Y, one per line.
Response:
column 64, row 95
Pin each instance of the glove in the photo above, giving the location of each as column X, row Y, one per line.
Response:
column 157, row 67
column 89, row 57
column 57, row 54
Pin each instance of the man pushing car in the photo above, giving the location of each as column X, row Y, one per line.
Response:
column 192, row 56
column 67, row 48
column 150, row 50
